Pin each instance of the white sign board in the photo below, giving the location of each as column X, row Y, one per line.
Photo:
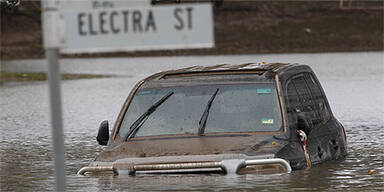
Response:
column 110, row 26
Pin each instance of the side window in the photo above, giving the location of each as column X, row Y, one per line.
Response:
column 306, row 100
column 303, row 93
column 293, row 106
column 301, row 99
column 292, row 98
column 318, row 98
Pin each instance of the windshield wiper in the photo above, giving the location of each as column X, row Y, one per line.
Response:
column 140, row 121
column 204, row 117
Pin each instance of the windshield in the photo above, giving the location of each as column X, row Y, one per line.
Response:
column 236, row 108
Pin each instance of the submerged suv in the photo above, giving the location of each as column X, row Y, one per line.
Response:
column 249, row 118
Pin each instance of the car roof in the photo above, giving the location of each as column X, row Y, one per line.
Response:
column 228, row 73
column 259, row 67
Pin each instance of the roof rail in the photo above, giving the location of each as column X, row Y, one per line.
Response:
column 223, row 68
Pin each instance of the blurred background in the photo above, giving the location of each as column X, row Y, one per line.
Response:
column 240, row 27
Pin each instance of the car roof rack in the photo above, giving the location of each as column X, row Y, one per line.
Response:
column 259, row 68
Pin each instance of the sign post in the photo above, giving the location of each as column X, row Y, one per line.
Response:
column 52, row 44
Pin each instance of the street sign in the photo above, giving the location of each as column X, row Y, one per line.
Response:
column 110, row 26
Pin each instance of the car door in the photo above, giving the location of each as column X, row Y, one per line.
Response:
column 300, row 101
column 324, row 131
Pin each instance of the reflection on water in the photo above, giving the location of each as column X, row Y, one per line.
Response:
column 355, row 94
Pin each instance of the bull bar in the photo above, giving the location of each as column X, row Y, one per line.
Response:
column 228, row 165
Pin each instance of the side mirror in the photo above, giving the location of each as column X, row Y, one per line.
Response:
column 103, row 134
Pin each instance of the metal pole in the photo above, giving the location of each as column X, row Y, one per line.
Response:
column 56, row 116
column 51, row 39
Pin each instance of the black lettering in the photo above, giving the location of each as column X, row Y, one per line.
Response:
column 189, row 10
column 95, row 4
column 81, row 24
column 102, row 22
column 125, row 14
column 112, row 22
column 176, row 13
column 91, row 30
column 136, row 15
column 150, row 22
column 107, row 4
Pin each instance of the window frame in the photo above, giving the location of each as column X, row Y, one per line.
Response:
column 306, row 77
column 312, row 77
column 118, row 138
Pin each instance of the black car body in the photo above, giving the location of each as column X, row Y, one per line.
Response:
column 248, row 118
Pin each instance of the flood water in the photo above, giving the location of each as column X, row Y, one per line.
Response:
column 353, row 83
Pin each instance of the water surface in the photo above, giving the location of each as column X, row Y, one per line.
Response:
column 353, row 83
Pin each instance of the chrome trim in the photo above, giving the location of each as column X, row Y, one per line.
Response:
column 84, row 170
column 270, row 161
column 230, row 166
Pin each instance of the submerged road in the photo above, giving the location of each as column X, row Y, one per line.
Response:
column 353, row 83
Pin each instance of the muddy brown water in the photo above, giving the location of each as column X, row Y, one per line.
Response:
column 353, row 83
